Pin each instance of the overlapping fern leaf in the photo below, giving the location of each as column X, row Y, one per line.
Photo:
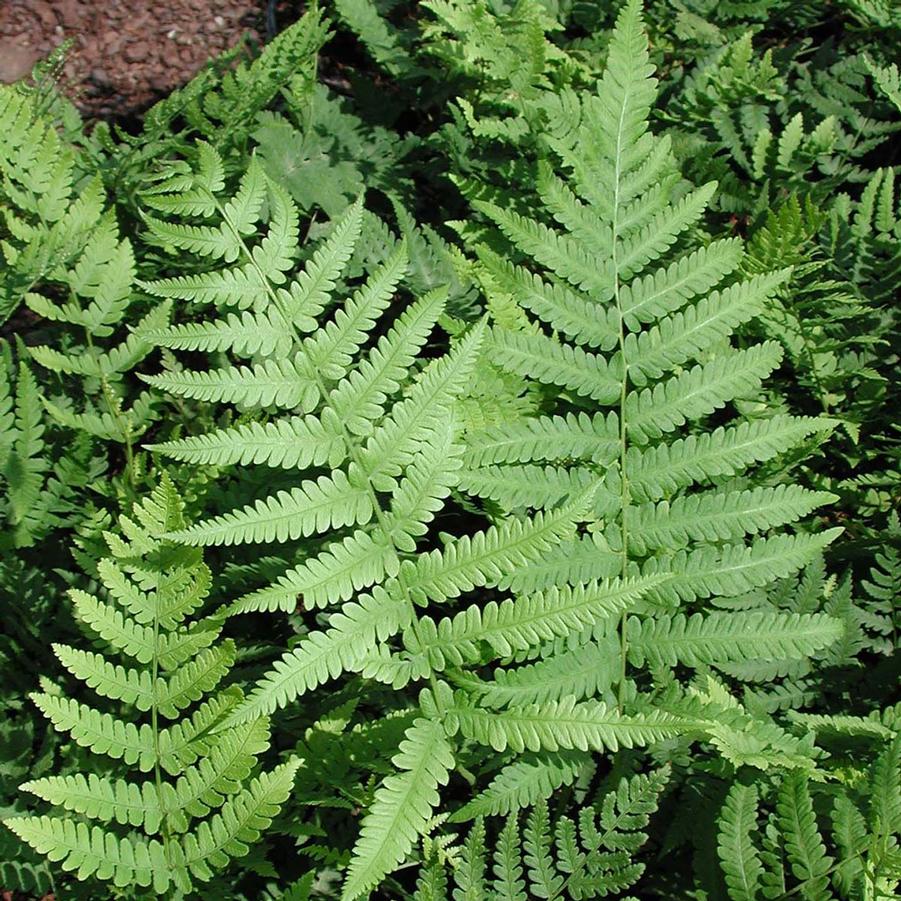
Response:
column 220, row 105
column 630, row 316
column 592, row 855
column 39, row 483
column 106, row 339
column 849, row 853
column 376, row 453
column 187, row 800
column 47, row 210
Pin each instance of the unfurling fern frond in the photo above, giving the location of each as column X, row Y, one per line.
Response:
column 190, row 799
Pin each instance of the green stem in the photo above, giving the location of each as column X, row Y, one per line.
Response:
column 115, row 410
column 623, row 437
column 155, row 729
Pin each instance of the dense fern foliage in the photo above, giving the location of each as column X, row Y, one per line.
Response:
column 449, row 455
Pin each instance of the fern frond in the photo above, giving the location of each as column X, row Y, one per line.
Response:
column 314, row 506
column 523, row 783
column 210, row 811
column 518, row 625
column 351, row 636
column 738, row 856
column 402, row 806
column 566, row 725
column 726, row 636
column 717, row 515
column 803, row 844
column 733, row 569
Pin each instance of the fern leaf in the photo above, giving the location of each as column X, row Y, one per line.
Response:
column 584, row 672
column 738, row 856
column 518, row 625
column 351, row 636
column 401, row 808
column 279, row 383
column 684, row 334
column 662, row 470
column 291, row 443
column 734, row 569
column 566, row 725
column 484, row 558
column 664, row 291
column 315, row 506
column 238, row 823
column 523, row 783
column 698, row 391
column 356, row 562
column 586, row 374
column 719, row 516
column 721, row 637
column 548, row 438
column 803, row 843
column 93, row 852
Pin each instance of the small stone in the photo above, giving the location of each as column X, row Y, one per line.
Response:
column 15, row 61
column 100, row 77
column 44, row 11
column 136, row 52
column 67, row 12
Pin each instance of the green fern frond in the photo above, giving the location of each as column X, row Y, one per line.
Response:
column 739, row 859
column 611, row 302
column 402, row 806
column 184, row 828
column 566, row 725
column 726, row 636
column 523, row 783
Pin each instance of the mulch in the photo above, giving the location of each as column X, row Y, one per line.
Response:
column 126, row 54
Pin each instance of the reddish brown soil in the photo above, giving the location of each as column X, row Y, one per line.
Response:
column 126, row 53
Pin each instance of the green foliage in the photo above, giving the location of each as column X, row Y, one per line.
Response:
column 48, row 211
column 199, row 808
column 526, row 372
column 589, row 855
column 790, row 855
column 612, row 200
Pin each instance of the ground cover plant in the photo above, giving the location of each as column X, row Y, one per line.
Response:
column 451, row 456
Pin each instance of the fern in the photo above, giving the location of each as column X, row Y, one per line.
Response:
column 648, row 380
column 401, row 807
column 791, row 854
column 41, row 482
column 199, row 808
column 541, row 468
column 48, row 212
column 220, row 106
column 591, row 856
